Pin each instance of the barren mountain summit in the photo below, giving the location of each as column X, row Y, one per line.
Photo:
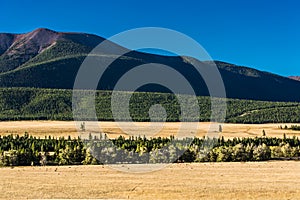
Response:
column 17, row 49
column 297, row 78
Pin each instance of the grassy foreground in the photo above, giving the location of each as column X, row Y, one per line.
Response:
column 250, row 180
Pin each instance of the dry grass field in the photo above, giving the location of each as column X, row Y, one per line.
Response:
column 250, row 180
column 66, row 128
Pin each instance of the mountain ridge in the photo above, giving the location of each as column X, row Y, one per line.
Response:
column 297, row 78
column 17, row 49
column 45, row 58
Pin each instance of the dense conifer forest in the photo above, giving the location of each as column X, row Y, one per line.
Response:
column 56, row 104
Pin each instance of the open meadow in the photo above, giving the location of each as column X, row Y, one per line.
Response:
column 208, row 180
column 66, row 128
column 237, row 180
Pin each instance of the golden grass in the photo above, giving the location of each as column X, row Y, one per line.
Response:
column 66, row 128
column 250, row 180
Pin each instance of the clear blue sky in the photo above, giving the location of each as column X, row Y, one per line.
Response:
column 264, row 34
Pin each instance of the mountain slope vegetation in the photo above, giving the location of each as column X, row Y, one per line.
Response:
column 48, row 59
column 56, row 104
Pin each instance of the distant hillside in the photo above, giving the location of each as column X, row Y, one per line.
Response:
column 56, row 104
column 48, row 59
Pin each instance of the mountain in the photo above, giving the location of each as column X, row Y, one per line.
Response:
column 297, row 78
column 45, row 58
column 18, row 50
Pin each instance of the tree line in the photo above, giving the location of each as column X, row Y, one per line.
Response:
column 27, row 150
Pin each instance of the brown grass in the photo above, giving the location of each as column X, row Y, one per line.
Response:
column 66, row 128
column 250, row 180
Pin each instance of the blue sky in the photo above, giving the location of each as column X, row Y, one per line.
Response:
column 263, row 34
